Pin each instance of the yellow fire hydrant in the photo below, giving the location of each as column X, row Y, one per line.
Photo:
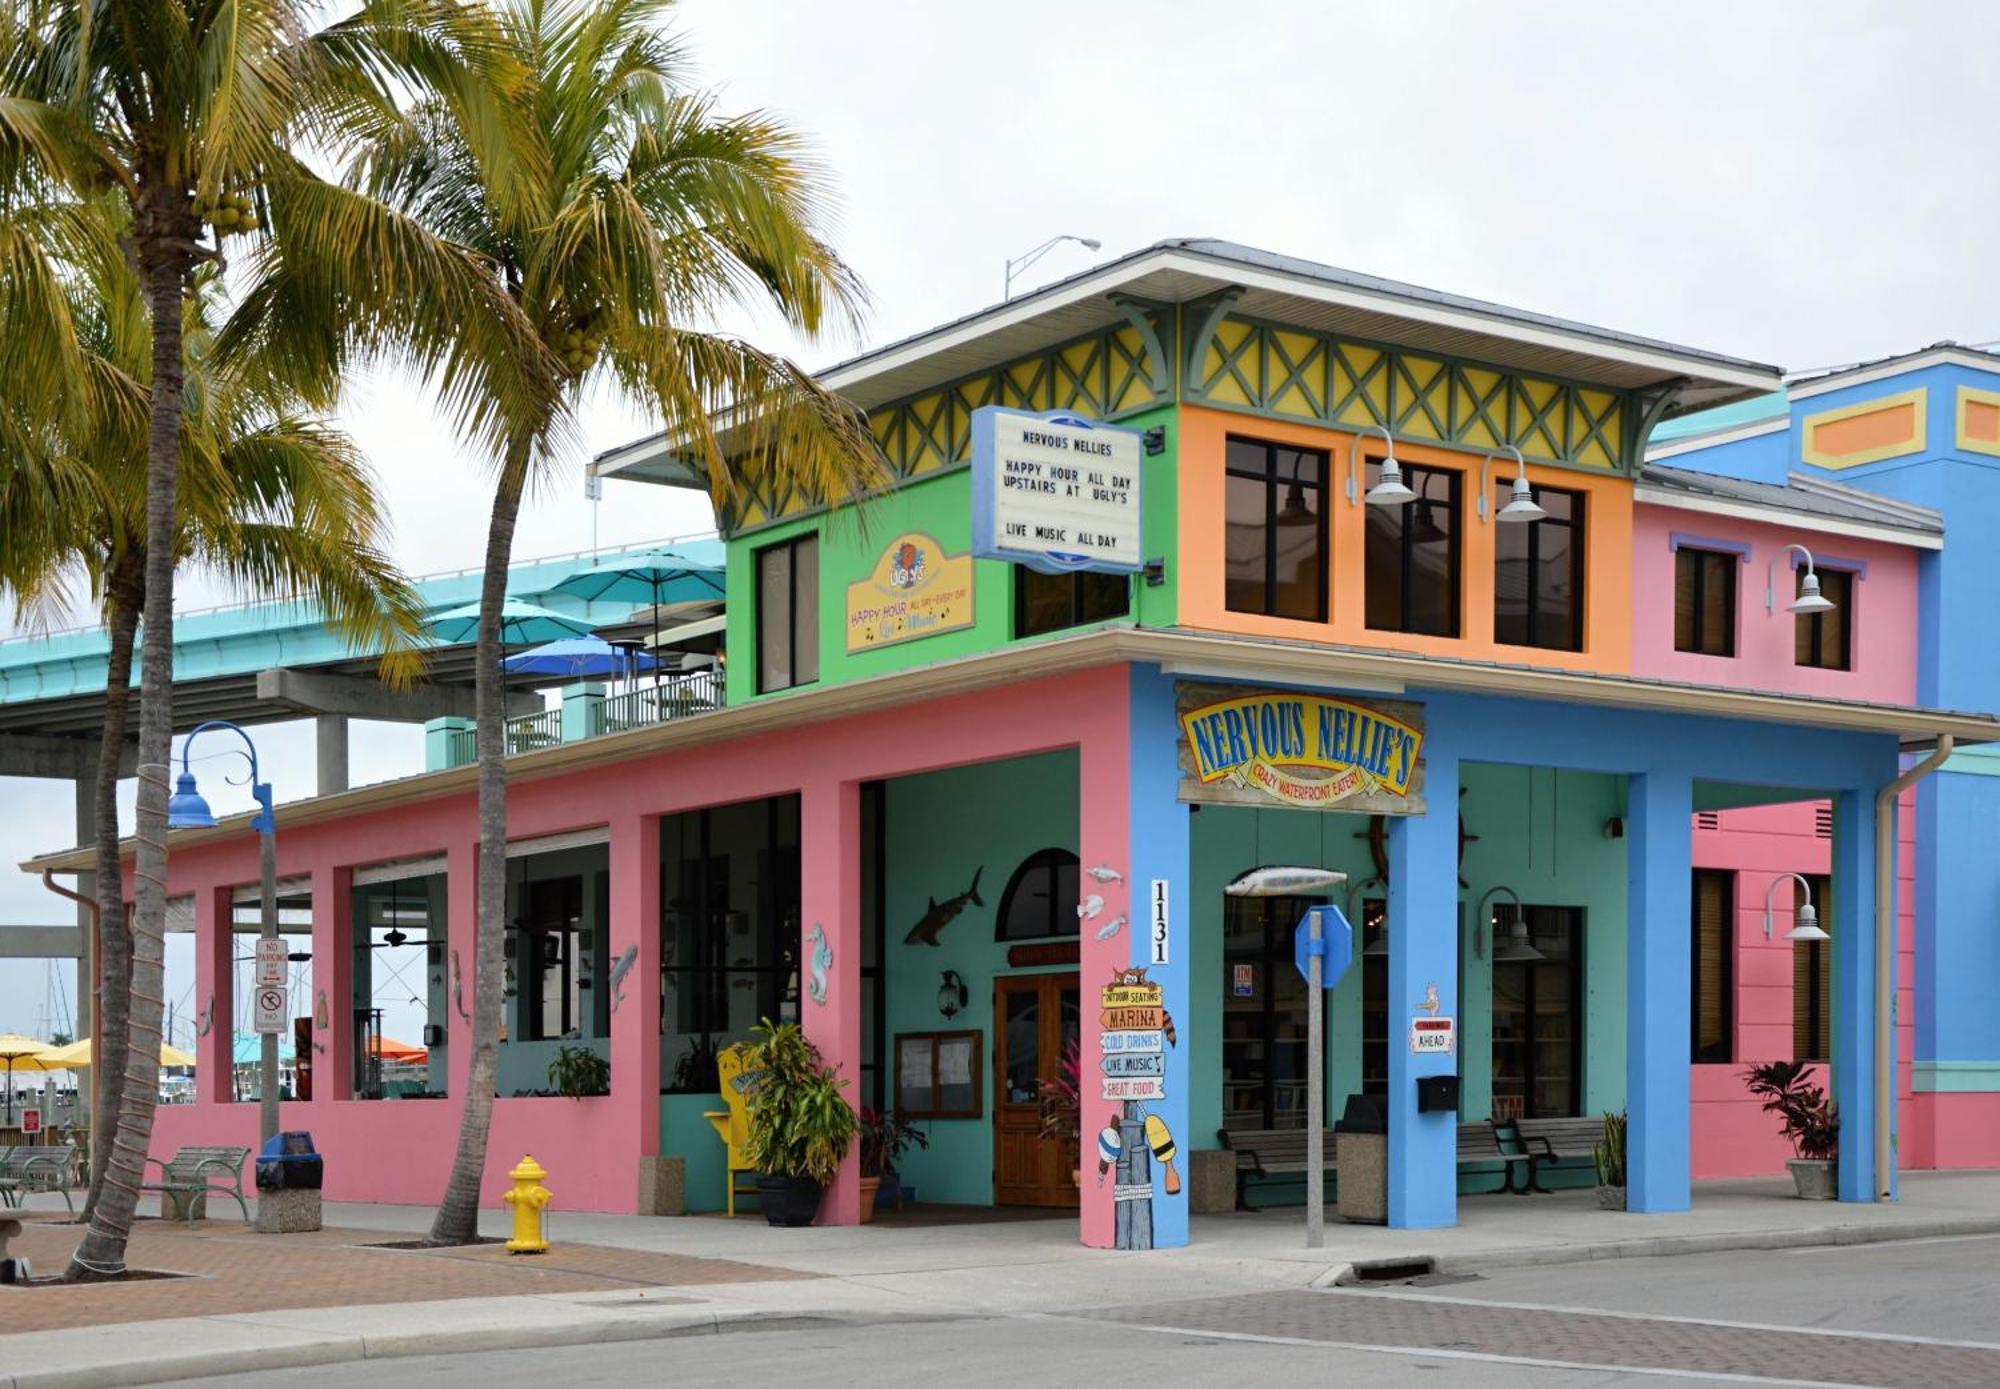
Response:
column 530, row 1200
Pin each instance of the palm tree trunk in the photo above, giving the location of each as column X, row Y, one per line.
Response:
column 165, row 236
column 457, row 1219
column 125, row 591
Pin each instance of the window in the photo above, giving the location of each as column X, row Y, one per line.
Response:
column 1040, row 899
column 1263, row 1015
column 1538, row 573
column 1812, row 979
column 1374, row 997
column 1274, row 530
column 1051, row 602
column 559, row 918
column 1821, row 639
column 398, row 980
column 788, row 614
column 1538, row 1018
column 729, row 948
column 1714, row 964
column 1705, row 601
column 1412, row 571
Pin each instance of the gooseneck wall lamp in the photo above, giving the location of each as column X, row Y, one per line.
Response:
column 1482, row 924
column 1810, row 599
column 1022, row 262
column 1805, row 922
column 1521, row 506
column 1389, row 490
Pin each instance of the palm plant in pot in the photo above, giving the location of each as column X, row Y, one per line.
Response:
column 884, row 1138
column 1809, row 1120
column 800, row 1123
column 1609, row 1157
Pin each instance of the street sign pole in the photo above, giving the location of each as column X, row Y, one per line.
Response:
column 267, row 1098
column 1315, row 1083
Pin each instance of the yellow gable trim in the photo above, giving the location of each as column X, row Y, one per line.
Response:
column 1889, row 426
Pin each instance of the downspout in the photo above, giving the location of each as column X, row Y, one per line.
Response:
column 1885, row 946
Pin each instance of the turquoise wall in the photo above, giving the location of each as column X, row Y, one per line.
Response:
column 938, row 828
column 684, row 1133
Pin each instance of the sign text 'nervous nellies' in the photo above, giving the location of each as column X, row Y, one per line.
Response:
column 1055, row 492
column 1300, row 749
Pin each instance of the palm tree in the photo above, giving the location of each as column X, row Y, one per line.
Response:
column 186, row 110
column 621, row 218
column 273, row 501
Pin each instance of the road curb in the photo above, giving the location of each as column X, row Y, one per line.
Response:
column 1667, row 1246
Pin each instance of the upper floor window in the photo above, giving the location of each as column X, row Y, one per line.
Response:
column 1413, row 556
column 788, row 613
column 1538, row 573
column 1051, row 602
column 1705, row 601
column 1274, row 528
column 1824, row 639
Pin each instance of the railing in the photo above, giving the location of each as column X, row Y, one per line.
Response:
column 525, row 734
column 673, row 698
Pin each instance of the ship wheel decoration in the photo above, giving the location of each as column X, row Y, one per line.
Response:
column 1377, row 835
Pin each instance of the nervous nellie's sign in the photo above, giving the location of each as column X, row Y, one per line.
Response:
column 1055, row 492
column 914, row 590
column 1317, row 752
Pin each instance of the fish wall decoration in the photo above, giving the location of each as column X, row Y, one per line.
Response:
column 1275, row 880
column 939, row 915
column 618, row 972
column 820, row 962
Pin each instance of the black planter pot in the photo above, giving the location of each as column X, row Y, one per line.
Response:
column 789, row 1201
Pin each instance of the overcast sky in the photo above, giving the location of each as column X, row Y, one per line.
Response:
column 1801, row 184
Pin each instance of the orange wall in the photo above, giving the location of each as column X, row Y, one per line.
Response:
column 1607, row 602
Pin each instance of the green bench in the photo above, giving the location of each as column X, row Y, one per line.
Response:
column 192, row 1174
column 37, row 1168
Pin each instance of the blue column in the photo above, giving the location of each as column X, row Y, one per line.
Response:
column 1852, row 925
column 1658, row 966
column 1423, row 951
column 1159, row 829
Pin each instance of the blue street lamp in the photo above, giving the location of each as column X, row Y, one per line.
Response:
column 187, row 809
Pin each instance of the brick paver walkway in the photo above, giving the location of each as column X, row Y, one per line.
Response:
column 1580, row 1338
column 237, row 1270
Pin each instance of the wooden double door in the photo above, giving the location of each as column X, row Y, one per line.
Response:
column 1036, row 1021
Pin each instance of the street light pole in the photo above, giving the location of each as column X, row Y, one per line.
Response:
column 1021, row 262
column 188, row 810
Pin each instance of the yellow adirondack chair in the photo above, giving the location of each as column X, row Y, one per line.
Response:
column 732, row 1123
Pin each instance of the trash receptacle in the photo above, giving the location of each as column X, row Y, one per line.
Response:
column 1361, row 1161
column 289, row 1162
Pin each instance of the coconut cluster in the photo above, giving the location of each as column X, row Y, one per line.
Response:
column 579, row 345
column 232, row 212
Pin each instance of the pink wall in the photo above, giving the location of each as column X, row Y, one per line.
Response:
column 400, row 1150
column 1732, row 1136
column 1884, row 623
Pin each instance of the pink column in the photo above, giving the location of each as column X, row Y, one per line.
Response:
column 214, row 986
column 333, row 983
column 1104, row 771
column 635, row 997
column 461, row 911
column 830, row 891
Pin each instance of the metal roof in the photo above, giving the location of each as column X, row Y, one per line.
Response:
column 1286, row 289
column 1806, row 496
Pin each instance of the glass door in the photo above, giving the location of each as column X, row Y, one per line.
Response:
column 1538, row 1020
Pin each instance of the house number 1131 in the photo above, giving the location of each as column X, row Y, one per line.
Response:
column 1160, row 914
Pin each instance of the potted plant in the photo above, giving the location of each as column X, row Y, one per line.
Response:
column 1810, row 1122
column 800, row 1123
column 884, row 1137
column 1062, row 1104
column 1609, row 1156
column 579, row 1072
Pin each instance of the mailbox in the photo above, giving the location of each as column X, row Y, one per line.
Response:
column 1437, row 1094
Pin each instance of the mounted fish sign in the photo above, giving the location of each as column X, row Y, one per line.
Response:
column 1055, row 492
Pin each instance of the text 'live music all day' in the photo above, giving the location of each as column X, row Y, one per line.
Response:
column 1063, row 480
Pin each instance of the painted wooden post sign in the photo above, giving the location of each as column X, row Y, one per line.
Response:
column 1135, row 1032
column 915, row 590
column 1055, row 492
column 1312, row 752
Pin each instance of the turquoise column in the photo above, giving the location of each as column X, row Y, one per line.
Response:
column 1423, row 953
column 1658, row 978
column 1851, row 922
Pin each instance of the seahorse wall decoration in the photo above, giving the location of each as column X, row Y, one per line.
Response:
column 821, row 960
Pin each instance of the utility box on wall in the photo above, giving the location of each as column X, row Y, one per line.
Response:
column 1437, row 1094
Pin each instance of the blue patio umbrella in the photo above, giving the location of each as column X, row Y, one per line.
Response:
column 647, row 576
column 579, row 657
column 520, row 624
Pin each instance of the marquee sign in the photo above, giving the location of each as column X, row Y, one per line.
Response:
column 1055, row 492
column 1313, row 752
column 914, row 590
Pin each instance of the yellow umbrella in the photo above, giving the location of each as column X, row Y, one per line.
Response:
column 76, row 1056
column 22, row 1054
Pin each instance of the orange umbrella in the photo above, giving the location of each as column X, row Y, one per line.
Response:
column 389, row 1049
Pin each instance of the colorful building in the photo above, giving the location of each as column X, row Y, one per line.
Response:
column 1202, row 561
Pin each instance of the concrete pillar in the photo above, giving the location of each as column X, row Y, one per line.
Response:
column 634, row 993
column 1658, row 978
column 1851, row 923
column 86, row 883
column 581, row 706
column 214, row 993
column 437, row 744
column 330, row 732
column 1423, row 954
column 830, row 954
column 333, row 983
column 461, row 945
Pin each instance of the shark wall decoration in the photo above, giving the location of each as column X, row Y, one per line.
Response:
column 939, row 915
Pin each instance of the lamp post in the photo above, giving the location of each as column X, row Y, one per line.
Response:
column 1022, row 262
column 188, row 810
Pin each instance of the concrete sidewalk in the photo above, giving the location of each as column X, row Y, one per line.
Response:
column 899, row 1273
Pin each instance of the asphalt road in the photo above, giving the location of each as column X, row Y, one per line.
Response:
column 1916, row 1314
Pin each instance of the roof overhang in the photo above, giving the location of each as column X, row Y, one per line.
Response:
column 1646, row 494
column 1334, row 302
column 1862, row 373
column 1177, row 650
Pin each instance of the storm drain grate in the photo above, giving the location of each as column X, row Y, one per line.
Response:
column 1371, row 1272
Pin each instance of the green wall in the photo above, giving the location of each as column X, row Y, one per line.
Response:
column 852, row 540
column 938, row 828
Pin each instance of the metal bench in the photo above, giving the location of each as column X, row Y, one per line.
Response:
column 49, row 1167
column 1486, row 1142
column 1549, row 1142
column 1268, row 1153
column 193, row 1173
